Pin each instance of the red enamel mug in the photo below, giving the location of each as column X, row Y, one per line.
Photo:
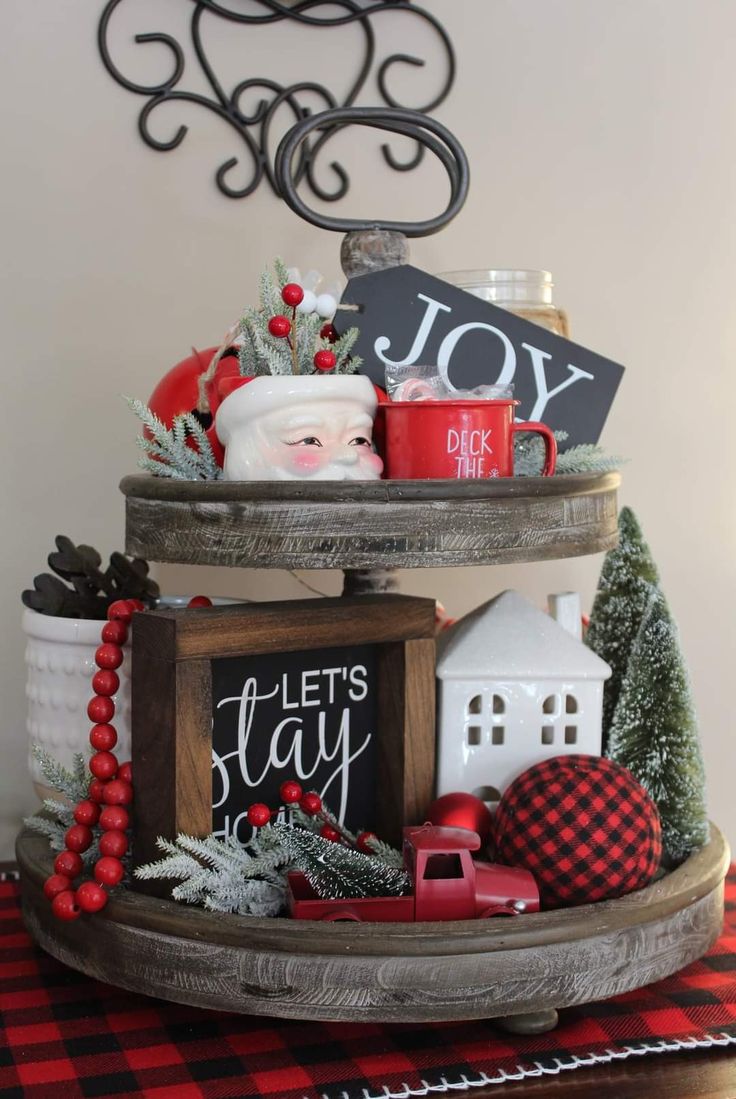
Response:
column 456, row 439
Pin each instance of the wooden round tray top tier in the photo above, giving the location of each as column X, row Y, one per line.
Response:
column 369, row 524
column 387, row 972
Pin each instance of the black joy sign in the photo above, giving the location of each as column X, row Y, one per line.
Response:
column 407, row 317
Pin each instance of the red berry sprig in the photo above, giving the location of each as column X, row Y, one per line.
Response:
column 110, row 785
column 259, row 815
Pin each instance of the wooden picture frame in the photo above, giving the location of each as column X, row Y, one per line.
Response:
column 172, row 702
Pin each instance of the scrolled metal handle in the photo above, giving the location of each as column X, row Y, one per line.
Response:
column 429, row 133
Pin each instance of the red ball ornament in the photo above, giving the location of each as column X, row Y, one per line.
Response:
column 87, row 812
column 325, row 360
column 64, row 906
column 462, row 811
column 103, row 737
column 583, row 826
column 279, row 326
column 125, row 771
column 290, row 792
column 258, row 814
column 68, row 863
column 329, row 332
column 115, row 632
column 114, row 818
column 292, row 294
column 199, row 601
column 96, row 790
column 108, row 656
column 57, row 883
column 100, row 709
column 136, row 605
column 114, row 843
column 117, row 792
column 103, row 765
column 108, row 871
column 311, row 803
column 363, row 843
column 120, row 609
column 78, row 838
column 91, row 897
column 327, row 832
column 105, row 682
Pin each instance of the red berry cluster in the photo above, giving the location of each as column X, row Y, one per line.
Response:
column 281, row 327
column 310, row 803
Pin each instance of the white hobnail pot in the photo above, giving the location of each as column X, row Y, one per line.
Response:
column 60, row 663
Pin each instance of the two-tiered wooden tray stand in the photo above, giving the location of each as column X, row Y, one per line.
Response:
column 521, row 970
column 517, row 970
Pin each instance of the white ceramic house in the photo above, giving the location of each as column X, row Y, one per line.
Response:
column 516, row 686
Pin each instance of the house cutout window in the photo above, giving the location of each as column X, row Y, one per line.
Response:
column 440, row 867
column 498, row 734
column 551, row 704
column 548, row 734
column 571, row 734
column 571, row 704
column 489, row 794
column 499, row 704
column 474, row 705
column 474, row 732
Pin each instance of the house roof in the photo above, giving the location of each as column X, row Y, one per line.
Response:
column 510, row 638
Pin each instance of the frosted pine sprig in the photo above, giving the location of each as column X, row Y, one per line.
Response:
column 168, row 453
column 222, row 875
column 583, row 458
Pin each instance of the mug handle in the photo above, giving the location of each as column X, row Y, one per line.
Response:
column 550, row 443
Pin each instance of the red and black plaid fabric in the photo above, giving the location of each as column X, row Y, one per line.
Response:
column 63, row 1035
column 584, row 827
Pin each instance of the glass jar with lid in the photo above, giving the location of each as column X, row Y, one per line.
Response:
column 527, row 294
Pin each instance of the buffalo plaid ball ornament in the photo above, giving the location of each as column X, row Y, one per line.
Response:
column 583, row 826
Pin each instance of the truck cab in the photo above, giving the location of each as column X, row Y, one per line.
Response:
column 449, row 885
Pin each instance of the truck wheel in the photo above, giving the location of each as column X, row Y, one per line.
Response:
column 341, row 917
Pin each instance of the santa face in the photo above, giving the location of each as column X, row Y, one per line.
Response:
column 320, row 440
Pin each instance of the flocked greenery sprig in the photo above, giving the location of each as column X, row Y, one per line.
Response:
column 250, row 878
column 224, row 875
column 287, row 332
column 584, row 458
column 58, row 816
column 168, row 451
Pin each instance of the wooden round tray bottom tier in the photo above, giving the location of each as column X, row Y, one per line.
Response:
column 369, row 524
column 387, row 972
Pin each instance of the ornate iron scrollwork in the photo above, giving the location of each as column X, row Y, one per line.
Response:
column 254, row 128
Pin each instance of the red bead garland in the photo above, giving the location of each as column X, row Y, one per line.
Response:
column 110, row 784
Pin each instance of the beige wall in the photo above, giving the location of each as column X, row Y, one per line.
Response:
column 601, row 139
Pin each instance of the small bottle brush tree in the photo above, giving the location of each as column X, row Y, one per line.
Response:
column 654, row 732
column 627, row 581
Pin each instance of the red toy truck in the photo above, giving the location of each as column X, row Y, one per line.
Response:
column 446, row 885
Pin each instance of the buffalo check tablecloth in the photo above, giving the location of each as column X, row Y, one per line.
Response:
column 64, row 1035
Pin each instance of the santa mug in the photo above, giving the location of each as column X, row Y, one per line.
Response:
column 303, row 427
column 456, row 439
